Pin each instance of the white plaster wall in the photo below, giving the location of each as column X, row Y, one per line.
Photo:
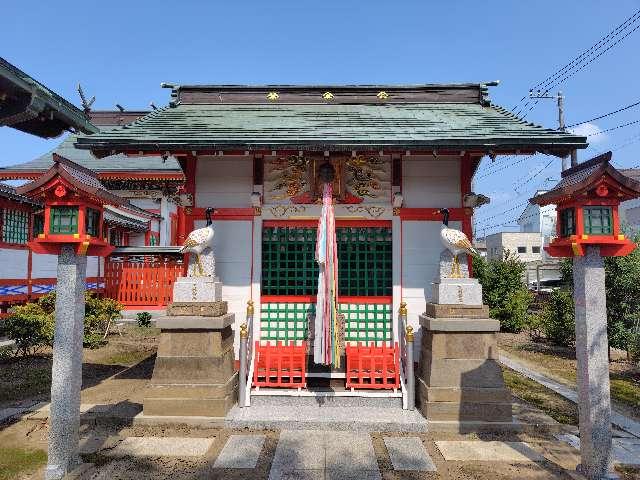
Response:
column 13, row 263
column 224, row 182
column 431, row 182
column 421, row 250
column 232, row 249
column 46, row 266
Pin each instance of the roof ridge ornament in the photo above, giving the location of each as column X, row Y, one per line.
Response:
column 273, row 96
column 328, row 95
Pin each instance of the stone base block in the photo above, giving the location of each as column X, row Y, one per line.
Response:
column 457, row 291
column 467, row 411
column 206, row 309
column 460, row 345
column 213, row 400
column 459, row 378
column 196, row 322
column 436, row 310
column 454, row 394
column 197, row 289
column 469, row 325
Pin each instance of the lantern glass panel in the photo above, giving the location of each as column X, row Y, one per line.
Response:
column 64, row 220
column 597, row 220
column 93, row 221
column 567, row 222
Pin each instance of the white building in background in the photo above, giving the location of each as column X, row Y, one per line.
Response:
column 538, row 219
column 527, row 246
column 630, row 210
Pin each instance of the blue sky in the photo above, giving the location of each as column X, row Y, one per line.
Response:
column 121, row 51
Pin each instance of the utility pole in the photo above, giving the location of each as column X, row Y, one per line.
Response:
column 561, row 125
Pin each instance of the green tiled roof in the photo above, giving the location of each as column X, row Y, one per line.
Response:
column 337, row 126
column 114, row 163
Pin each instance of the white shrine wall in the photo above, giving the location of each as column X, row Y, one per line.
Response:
column 224, row 182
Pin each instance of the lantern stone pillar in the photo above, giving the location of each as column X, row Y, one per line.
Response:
column 594, row 400
column 66, row 373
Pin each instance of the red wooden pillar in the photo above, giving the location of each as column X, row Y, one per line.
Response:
column 185, row 214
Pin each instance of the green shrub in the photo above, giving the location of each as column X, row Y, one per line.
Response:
column 144, row 319
column 30, row 326
column 503, row 290
column 557, row 319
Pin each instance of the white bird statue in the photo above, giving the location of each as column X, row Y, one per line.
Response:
column 455, row 241
column 200, row 239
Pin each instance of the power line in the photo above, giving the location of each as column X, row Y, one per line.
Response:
column 606, row 114
column 578, row 63
column 533, row 176
column 613, row 128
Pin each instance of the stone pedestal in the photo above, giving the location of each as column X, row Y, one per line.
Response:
column 194, row 372
column 459, row 378
column 66, row 372
column 594, row 398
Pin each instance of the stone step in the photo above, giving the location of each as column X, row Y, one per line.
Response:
column 325, row 396
column 323, row 417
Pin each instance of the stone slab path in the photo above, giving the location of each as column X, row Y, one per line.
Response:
column 621, row 421
column 478, row 451
column 626, row 451
column 240, row 451
column 408, row 453
column 320, row 454
column 160, row 447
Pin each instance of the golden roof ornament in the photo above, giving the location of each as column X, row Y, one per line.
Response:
column 382, row 95
column 273, row 96
column 327, row 96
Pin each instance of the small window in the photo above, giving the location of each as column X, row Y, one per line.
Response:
column 93, row 221
column 38, row 224
column 522, row 249
column 116, row 237
column 535, row 249
column 14, row 226
column 64, row 220
column 567, row 222
column 597, row 220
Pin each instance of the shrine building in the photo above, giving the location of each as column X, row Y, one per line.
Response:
column 400, row 154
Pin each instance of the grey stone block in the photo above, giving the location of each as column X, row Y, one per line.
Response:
column 457, row 291
column 197, row 289
column 459, row 324
column 240, row 451
column 195, row 322
column 408, row 453
column 205, row 309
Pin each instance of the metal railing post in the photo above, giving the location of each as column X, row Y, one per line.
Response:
column 410, row 384
column 411, row 379
column 242, row 383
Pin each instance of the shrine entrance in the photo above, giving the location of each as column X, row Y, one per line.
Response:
column 284, row 350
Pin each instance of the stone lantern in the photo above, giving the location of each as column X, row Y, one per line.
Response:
column 74, row 199
column 587, row 200
column 588, row 229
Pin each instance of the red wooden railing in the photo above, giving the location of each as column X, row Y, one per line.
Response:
column 280, row 365
column 142, row 280
column 372, row 366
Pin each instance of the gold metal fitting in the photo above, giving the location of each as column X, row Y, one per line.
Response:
column 403, row 308
column 250, row 307
column 244, row 333
column 327, row 96
column 382, row 95
column 408, row 335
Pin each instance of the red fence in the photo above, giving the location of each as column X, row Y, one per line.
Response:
column 142, row 280
column 372, row 367
column 280, row 365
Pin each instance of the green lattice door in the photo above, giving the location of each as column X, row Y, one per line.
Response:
column 289, row 270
